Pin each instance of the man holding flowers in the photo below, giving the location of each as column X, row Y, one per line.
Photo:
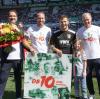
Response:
column 11, row 50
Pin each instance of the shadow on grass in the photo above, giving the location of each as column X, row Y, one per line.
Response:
column 9, row 95
column 72, row 96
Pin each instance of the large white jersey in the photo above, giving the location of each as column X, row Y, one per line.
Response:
column 39, row 37
column 91, row 41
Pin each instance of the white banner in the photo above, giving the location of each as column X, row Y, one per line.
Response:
column 47, row 76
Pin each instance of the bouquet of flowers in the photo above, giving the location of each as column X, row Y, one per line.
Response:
column 9, row 34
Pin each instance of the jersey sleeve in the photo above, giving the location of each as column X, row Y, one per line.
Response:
column 49, row 33
column 27, row 33
column 99, row 32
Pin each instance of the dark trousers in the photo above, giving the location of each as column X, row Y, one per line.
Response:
column 93, row 64
column 4, row 73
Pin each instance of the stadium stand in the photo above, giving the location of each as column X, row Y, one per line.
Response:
column 73, row 11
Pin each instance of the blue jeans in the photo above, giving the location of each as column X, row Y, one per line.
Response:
column 80, row 81
column 93, row 64
column 4, row 73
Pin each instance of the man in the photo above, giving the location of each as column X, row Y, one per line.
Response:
column 62, row 40
column 39, row 35
column 11, row 59
column 90, row 37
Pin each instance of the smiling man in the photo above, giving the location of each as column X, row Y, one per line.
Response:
column 12, row 59
column 62, row 40
column 39, row 34
column 90, row 37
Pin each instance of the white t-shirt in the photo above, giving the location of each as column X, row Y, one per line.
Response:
column 39, row 37
column 91, row 41
column 15, row 53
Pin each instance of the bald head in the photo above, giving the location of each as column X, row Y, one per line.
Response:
column 41, row 13
column 40, row 19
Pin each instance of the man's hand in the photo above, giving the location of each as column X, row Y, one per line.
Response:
column 84, row 73
column 32, row 50
column 59, row 52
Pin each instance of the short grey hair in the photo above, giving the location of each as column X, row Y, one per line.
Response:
column 85, row 14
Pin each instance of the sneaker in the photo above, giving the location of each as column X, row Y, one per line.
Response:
column 91, row 97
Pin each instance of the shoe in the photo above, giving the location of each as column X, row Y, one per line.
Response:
column 91, row 97
column 19, row 98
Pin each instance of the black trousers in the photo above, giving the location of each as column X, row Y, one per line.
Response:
column 4, row 73
column 93, row 64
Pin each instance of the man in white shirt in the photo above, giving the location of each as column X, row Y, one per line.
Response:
column 11, row 59
column 90, row 37
column 39, row 35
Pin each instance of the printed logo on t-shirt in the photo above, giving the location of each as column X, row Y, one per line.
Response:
column 89, row 37
column 64, row 42
column 39, row 38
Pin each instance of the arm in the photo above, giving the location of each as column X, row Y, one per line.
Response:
column 84, row 68
column 26, row 41
column 58, row 51
column 28, row 46
column 52, row 45
column 84, row 64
